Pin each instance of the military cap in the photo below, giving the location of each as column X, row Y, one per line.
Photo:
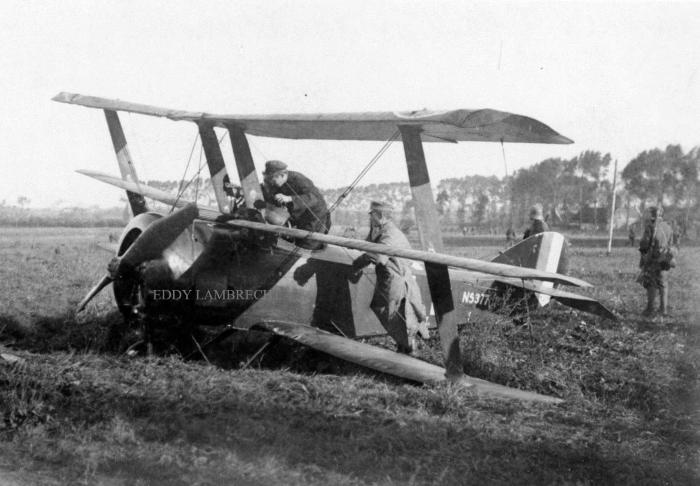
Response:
column 654, row 212
column 274, row 166
column 380, row 206
column 536, row 211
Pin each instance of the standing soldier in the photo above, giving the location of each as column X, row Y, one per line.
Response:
column 397, row 301
column 632, row 236
column 510, row 236
column 656, row 260
column 537, row 222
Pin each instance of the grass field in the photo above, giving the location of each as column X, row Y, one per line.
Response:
column 76, row 413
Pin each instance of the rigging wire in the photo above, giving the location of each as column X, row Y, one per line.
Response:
column 503, row 153
column 255, row 147
column 505, row 164
column 196, row 174
column 354, row 183
column 345, row 193
column 189, row 159
column 364, row 171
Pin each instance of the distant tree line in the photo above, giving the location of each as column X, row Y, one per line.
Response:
column 575, row 193
column 21, row 215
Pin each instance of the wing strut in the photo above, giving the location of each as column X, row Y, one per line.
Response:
column 126, row 165
column 431, row 240
column 245, row 165
column 215, row 161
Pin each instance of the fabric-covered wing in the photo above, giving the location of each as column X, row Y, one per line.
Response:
column 424, row 256
column 389, row 362
column 437, row 126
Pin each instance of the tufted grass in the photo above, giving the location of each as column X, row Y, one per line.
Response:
column 75, row 412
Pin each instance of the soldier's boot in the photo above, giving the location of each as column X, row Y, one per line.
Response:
column 651, row 299
column 663, row 307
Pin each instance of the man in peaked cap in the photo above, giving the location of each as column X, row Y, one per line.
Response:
column 294, row 191
column 537, row 223
column 397, row 301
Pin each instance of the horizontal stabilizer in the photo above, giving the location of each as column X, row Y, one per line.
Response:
column 473, row 264
column 576, row 301
column 483, row 125
column 389, row 362
column 586, row 304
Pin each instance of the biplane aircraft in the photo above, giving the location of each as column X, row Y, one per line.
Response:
column 234, row 269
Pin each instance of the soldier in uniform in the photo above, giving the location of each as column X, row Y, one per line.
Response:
column 656, row 260
column 235, row 194
column 510, row 236
column 397, row 301
column 293, row 190
column 537, row 223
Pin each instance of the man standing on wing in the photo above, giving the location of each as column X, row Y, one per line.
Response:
column 397, row 301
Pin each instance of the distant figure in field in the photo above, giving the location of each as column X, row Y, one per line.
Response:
column 657, row 258
column 632, row 236
column 510, row 236
column 537, row 223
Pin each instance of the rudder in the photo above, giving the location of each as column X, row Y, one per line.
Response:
column 544, row 251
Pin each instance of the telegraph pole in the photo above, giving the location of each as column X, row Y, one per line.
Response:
column 612, row 210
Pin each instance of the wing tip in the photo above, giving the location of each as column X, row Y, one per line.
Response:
column 87, row 172
column 64, row 97
column 561, row 139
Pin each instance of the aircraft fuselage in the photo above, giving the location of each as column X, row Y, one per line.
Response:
column 221, row 275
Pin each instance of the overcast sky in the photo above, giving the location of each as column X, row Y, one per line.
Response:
column 615, row 78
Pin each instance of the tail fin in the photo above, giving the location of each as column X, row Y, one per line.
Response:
column 126, row 166
column 545, row 251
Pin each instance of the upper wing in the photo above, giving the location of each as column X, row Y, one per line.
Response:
column 437, row 126
column 211, row 214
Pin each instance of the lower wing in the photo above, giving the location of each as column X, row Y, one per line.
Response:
column 390, row 362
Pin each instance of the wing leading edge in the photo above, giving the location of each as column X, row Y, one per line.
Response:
column 484, row 125
column 211, row 214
